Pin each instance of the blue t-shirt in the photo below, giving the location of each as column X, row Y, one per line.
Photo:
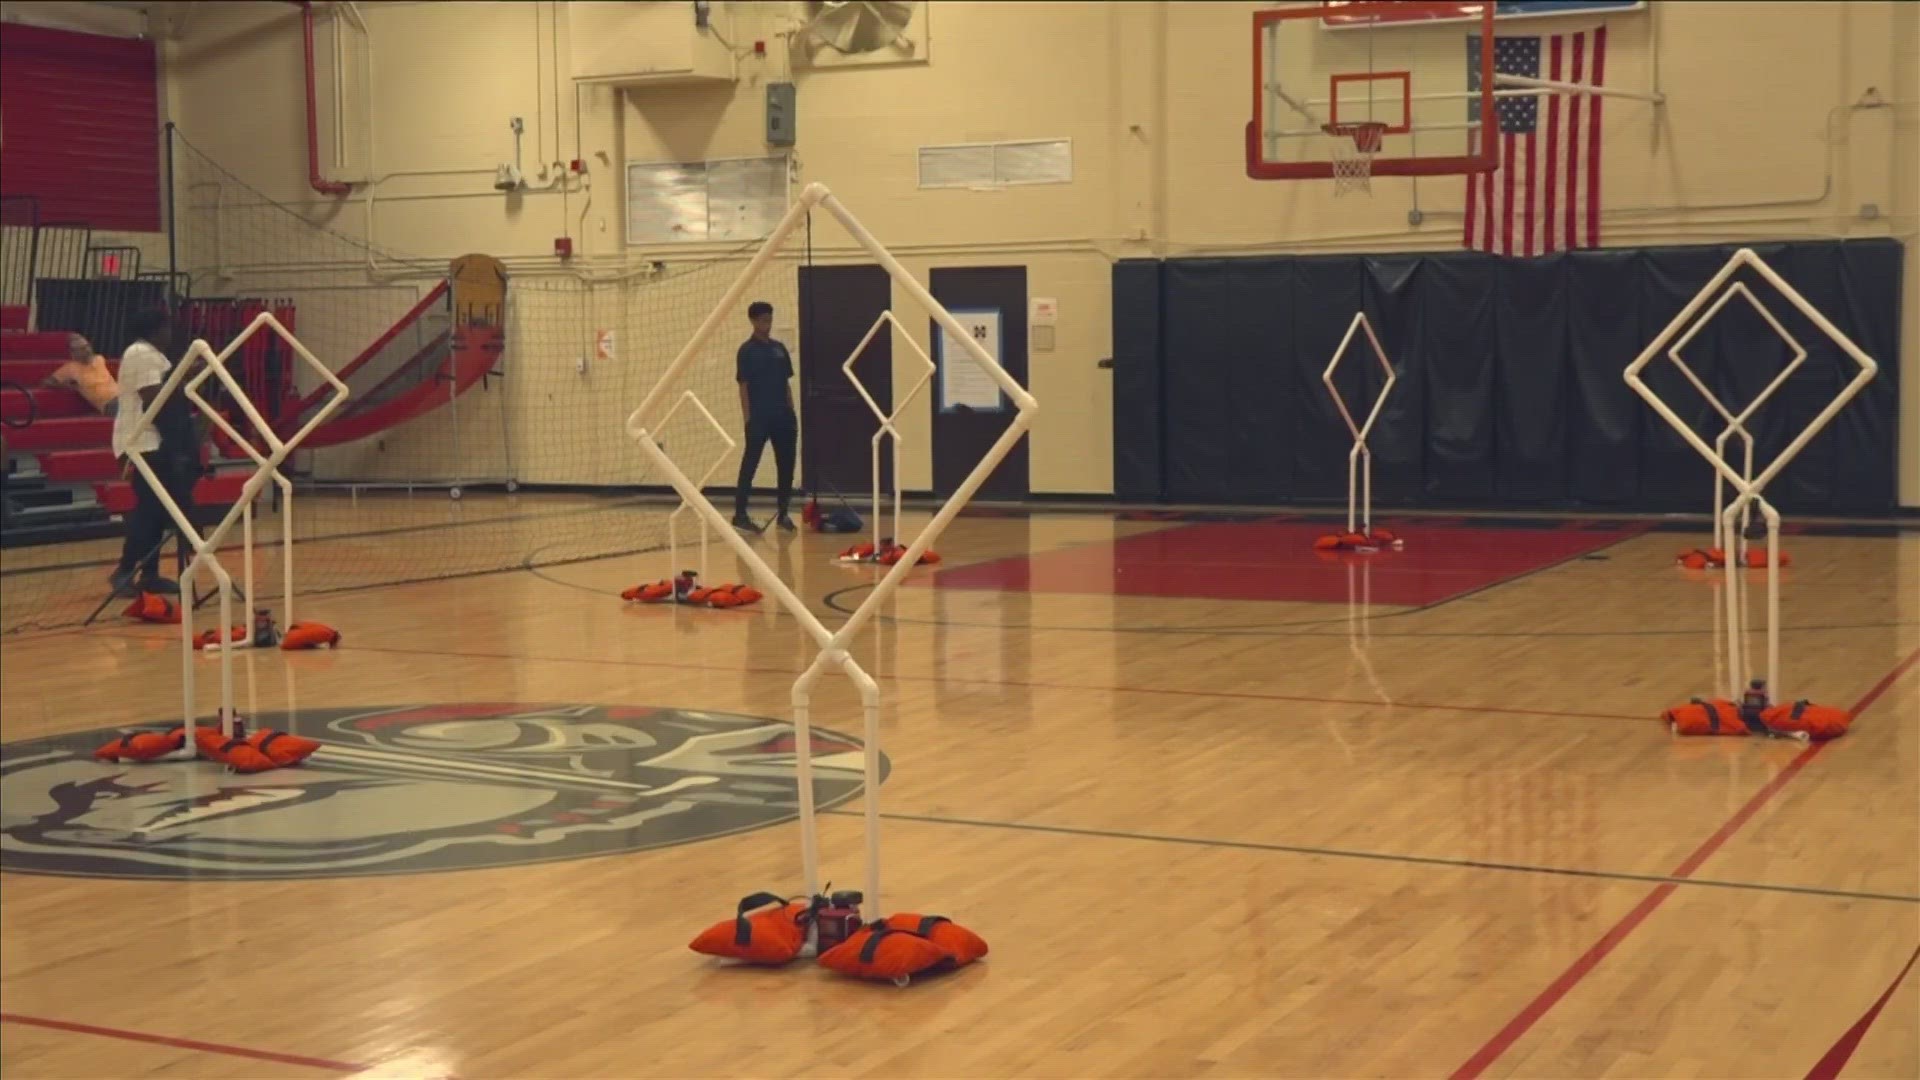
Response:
column 765, row 367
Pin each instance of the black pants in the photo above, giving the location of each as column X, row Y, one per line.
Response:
column 149, row 522
column 784, row 432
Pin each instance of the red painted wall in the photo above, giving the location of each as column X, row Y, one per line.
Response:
column 81, row 117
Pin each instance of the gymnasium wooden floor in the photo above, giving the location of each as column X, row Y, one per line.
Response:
column 1208, row 829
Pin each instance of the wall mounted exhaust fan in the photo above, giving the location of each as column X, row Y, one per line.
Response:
column 861, row 26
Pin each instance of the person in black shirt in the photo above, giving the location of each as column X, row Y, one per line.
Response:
column 763, row 368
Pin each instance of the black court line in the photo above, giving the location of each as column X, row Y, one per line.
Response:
column 391, row 530
column 1381, row 856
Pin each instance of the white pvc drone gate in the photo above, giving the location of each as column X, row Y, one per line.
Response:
column 1748, row 489
column 205, row 548
column 887, row 419
column 832, row 644
column 673, row 519
column 1360, row 457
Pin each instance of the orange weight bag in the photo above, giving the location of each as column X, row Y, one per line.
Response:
column 1703, row 717
column 963, row 944
column 147, row 607
column 652, row 592
column 881, row 951
column 143, row 745
column 310, row 635
column 772, row 935
column 1819, row 722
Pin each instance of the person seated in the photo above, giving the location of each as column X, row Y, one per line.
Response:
column 85, row 372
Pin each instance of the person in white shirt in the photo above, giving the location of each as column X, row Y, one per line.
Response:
column 143, row 368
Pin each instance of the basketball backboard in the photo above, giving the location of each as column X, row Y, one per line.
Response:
column 1404, row 70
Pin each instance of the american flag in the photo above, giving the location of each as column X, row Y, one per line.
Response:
column 1545, row 197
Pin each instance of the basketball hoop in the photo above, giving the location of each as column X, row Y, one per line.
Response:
column 1354, row 145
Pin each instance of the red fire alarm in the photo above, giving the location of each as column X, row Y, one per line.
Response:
column 577, row 165
column 759, row 48
column 563, row 246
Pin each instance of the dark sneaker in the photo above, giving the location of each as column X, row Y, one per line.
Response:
column 745, row 524
column 785, row 524
column 159, row 586
column 122, row 583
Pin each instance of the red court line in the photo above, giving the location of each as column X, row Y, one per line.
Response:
column 1503, row 1040
column 182, row 1044
column 1835, row 1059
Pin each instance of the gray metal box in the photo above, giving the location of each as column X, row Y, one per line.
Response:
column 780, row 114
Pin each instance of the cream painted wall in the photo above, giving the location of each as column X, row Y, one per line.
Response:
column 1152, row 94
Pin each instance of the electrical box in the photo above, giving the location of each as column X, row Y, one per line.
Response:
column 780, row 114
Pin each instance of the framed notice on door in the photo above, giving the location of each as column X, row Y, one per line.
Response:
column 963, row 383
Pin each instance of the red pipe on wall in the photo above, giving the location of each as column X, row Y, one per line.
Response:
column 320, row 183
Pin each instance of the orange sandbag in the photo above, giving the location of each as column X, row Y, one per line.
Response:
column 1699, row 558
column 963, row 944
column 1716, row 559
column 143, row 745
column 1697, row 717
column 882, row 952
column 148, row 607
column 1353, row 541
column 857, row 553
column 212, row 637
column 236, row 753
column 281, row 748
column 772, row 935
column 732, row 596
column 895, row 554
column 310, row 635
column 650, row 593
column 1819, row 722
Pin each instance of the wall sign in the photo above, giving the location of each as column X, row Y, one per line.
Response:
column 964, row 384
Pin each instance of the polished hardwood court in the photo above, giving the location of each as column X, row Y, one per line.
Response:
column 1346, row 819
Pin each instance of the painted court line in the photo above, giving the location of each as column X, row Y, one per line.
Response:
column 1523, row 1021
column 1384, row 856
column 1835, row 1059
column 224, row 1049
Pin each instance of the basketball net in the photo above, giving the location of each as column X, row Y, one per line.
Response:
column 1354, row 146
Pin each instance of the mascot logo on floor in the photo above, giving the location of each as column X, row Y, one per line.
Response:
column 413, row 789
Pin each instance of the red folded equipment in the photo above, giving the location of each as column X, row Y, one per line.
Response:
column 1801, row 720
column 886, row 553
column 142, row 745
column 1716, row 559
column 256, row 752
column 310, row 635
column 773, row 934
column 148, row 607
column 901, row 946
column 211, row 638
column 650, row 593
column 687, row 590
column 1359, row 541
